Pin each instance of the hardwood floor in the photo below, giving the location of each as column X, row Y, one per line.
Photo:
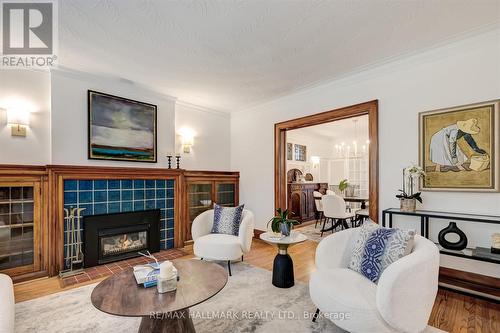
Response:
column 452, row 312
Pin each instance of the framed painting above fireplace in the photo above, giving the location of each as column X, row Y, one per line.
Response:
column 121, row 129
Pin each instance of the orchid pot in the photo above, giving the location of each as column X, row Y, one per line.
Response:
column 408, row 204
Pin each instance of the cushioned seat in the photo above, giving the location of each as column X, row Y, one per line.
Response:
column 218, row 247
column 401, row 301
column 6, row 304
column 346, row 291
column 221, row 246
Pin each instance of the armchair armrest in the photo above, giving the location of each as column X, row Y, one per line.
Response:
column 334, row 251
column 7, row 312
column 245, row 234
column 407, row 288
column 202, row 224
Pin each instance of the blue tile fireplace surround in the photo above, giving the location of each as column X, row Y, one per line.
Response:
column 102, row 196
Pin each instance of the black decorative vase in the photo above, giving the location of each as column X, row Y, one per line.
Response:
column 452, row 229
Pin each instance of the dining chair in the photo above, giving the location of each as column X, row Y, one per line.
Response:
column 319, row 207
column 334, row 209
column 361, row 215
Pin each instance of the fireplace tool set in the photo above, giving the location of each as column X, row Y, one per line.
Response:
column 73, row 252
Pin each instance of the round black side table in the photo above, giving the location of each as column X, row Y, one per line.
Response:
column 283, row 264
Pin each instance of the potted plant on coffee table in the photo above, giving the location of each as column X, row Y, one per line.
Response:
column 281, row 223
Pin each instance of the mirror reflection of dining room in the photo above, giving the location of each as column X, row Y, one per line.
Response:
column 328, row 176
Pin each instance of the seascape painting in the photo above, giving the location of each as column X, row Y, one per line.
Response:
column 121, row 129
column 459, row 148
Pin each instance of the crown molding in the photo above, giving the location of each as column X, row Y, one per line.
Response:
column 200, row 108
column 86, row 76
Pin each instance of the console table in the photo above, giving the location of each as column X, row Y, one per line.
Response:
column 479, row 253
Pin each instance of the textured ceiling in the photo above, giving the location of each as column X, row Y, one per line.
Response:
column 228, row 55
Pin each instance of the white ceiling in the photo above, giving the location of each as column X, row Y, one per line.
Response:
column 228, row 55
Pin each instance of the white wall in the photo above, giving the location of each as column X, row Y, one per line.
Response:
column 69, row 117
column 460, row 73
column 211, row 146
column 31, row 89
column 58, row 130
column 69, row 123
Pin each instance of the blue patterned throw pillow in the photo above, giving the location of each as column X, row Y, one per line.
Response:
column 371, row 264
column 227, row 220
column 398, row 244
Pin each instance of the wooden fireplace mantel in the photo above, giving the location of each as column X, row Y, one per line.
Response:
column 51, row 179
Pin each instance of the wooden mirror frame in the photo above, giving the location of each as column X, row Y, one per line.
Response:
column 369, row 108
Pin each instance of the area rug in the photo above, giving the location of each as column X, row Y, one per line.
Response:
column 248, row 303
column 313, row 233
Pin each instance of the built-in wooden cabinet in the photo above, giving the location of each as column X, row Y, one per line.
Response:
column 32, row 209
column 21, row 225
column 203, row 189
column 301, row 199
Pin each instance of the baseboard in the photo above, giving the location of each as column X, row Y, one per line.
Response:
column 257, row 233
column 476, row 284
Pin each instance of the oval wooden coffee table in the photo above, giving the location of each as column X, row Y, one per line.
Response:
column 169, row 312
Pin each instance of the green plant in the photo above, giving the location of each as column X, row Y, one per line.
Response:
column 404, row 195
column 282, row 217
column 343, row 185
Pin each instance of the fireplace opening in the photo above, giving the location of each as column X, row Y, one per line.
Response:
column 122, row 242
column 112, row 237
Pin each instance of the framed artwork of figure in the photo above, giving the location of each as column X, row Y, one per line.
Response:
column 459, row 148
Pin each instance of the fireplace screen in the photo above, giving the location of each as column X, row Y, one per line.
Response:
column 122, row 243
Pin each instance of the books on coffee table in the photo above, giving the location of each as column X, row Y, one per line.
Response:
column 147, row 274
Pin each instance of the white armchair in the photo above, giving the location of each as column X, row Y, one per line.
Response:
column 221, row 246
column 401, row 301
column 6, row 304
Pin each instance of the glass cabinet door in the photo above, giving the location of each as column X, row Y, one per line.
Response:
column 199, row 200
column 226, row 194
column 18, row 226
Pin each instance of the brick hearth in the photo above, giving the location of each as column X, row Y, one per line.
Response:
column 94, row 273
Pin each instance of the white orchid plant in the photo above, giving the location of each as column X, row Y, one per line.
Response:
column 411, row 176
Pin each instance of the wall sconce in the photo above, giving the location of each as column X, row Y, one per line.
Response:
column 18, row 119
column 315, row 160
column 187, row 139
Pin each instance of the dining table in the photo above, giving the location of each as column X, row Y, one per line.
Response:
column 362, row 200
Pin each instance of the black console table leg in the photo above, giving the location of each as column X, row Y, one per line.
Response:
column 390, row 220
column 422, row 226
column 426, row 227
column 383, row 219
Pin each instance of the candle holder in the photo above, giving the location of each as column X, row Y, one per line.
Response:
column 167, row 279
column 169, row 157
column 178, row 160
column 166, row 284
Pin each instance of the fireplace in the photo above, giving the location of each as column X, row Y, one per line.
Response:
column 112, row 237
